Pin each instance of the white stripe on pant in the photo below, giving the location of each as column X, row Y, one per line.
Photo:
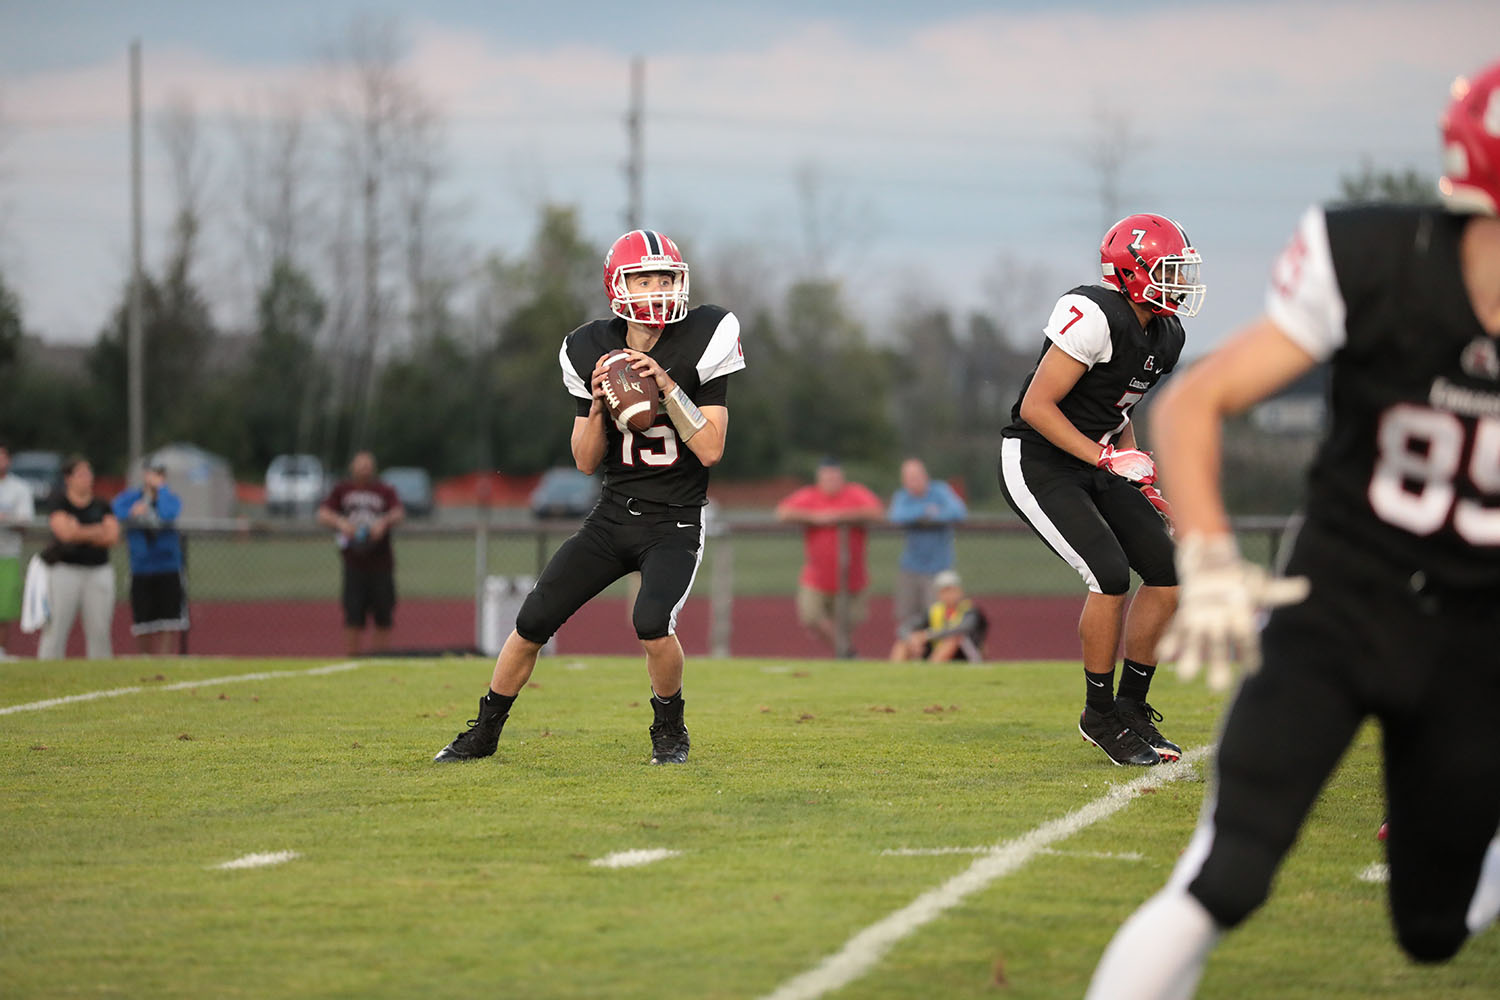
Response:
column 90, row 588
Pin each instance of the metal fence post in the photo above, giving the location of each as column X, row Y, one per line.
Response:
column 481, row 573
column 841, row 628
column 721, row 596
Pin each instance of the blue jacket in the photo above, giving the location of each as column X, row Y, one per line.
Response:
column 928, row 520
column 152, row 550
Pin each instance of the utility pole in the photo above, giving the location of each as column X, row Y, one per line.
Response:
column 635, row 167
column 135, row 334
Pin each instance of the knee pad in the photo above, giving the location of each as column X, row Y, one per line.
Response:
column 1430, row 938
column 1234, row 881
column 652, row 619
column 532, row 624
column 1114, row 578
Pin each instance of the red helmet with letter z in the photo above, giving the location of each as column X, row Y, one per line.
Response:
column 1471, row 144
column 642, row 251
column 1150, row 259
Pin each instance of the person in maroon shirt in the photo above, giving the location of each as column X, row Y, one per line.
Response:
column 829, row 507
column 362, row 510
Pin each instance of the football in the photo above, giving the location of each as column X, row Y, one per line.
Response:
column 631, row 397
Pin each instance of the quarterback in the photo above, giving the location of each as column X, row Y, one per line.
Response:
column 650, row 514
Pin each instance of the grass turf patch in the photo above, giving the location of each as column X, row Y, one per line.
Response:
column 418, row 879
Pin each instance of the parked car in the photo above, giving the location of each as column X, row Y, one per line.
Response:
column 42, row 471
column 414, row 486
column 295, row 485
column 564, row 492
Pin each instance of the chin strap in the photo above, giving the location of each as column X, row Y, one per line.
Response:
column 684, row 413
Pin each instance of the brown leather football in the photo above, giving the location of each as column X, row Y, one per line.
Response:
column 631, row 396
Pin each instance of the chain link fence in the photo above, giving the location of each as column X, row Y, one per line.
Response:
column 271, row 588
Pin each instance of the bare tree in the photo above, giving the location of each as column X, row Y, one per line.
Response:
column 276, row 210
column 833, row 225
column 1113, row 144
column 188, row 164
column 388, row 171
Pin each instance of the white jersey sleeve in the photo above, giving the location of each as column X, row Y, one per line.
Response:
column 1080, row 329
column 1304, row 298
column 576, row 385
column 723, row 353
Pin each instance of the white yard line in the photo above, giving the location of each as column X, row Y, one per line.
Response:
column 934, row 852
column 34, row 706
column 634, row 859
column 258, row 860
column 864, row 950
column 1377, row 873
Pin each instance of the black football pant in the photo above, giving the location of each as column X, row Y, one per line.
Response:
column 664, row 543
column 1100, row 524
column 1367, row 642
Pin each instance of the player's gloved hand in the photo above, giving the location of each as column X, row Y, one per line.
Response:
column 1130, row 463
column 1219, row 597
column 1159, row 502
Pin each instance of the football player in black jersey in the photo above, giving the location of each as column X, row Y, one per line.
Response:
column 650, row 514
column 1398, row 561
column 1071, row 468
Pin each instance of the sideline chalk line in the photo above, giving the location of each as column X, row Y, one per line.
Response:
column 265, row 675
column 633, row 859
column 865, row 949
column 257, row 860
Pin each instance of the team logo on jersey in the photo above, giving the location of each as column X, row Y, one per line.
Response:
column 1150, row 364
column 1481, row 359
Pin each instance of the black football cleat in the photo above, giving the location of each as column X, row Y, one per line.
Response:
column 480, row 739
column 1121, row 744
column 1142, row 718
column 669, row 735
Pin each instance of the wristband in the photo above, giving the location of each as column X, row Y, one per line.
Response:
column 684, row 413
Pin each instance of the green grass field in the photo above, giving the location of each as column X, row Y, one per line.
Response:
column 441, row 565
column 420, row 880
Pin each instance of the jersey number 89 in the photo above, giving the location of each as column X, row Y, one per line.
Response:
column 1424, row 447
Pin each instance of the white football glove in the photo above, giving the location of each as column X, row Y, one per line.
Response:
column 1131, row 463
column 1219, row 599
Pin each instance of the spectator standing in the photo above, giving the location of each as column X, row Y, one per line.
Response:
column 362, row 510
column 16, row 510
column 952, row 628
column 927, row 510
column 158, row 593
column 830, row 508
column 81, row 579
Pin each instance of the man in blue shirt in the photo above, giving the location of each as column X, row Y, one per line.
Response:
column 927, row 509
column 158, row 597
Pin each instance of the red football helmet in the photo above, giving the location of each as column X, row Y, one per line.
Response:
column 638, row 251
column 1149, row 258
column 1471, row 144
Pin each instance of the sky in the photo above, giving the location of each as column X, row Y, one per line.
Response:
column 952, row 141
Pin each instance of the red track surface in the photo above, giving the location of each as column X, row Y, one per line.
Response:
column 1020, row 628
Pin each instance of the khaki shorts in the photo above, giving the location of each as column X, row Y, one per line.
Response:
column 814, row 606
column 10, row 590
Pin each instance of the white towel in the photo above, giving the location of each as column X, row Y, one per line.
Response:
column 36, row 601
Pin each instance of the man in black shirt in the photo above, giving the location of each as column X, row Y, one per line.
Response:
column 650, row 515
column 1070, row 467
column 1398, row 562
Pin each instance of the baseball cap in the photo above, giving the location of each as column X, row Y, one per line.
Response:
column 947, row 578
column 157, row 464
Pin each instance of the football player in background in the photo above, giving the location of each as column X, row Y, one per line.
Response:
column 1399, row 560
column 650, row 513
column 1071, row 468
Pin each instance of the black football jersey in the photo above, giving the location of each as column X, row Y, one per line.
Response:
column 1410, row 469
column 699, row 352
column 1095, row 325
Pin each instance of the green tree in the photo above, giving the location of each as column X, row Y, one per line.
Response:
column 1404, row 186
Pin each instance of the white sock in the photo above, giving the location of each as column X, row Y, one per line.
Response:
column 1486, row 902
column 1159, row 953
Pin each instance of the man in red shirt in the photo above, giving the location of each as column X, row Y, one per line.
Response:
column 832, row 509
column 362, row 510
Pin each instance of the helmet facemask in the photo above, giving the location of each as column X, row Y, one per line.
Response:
column 655, row 307
column 1174, row 285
